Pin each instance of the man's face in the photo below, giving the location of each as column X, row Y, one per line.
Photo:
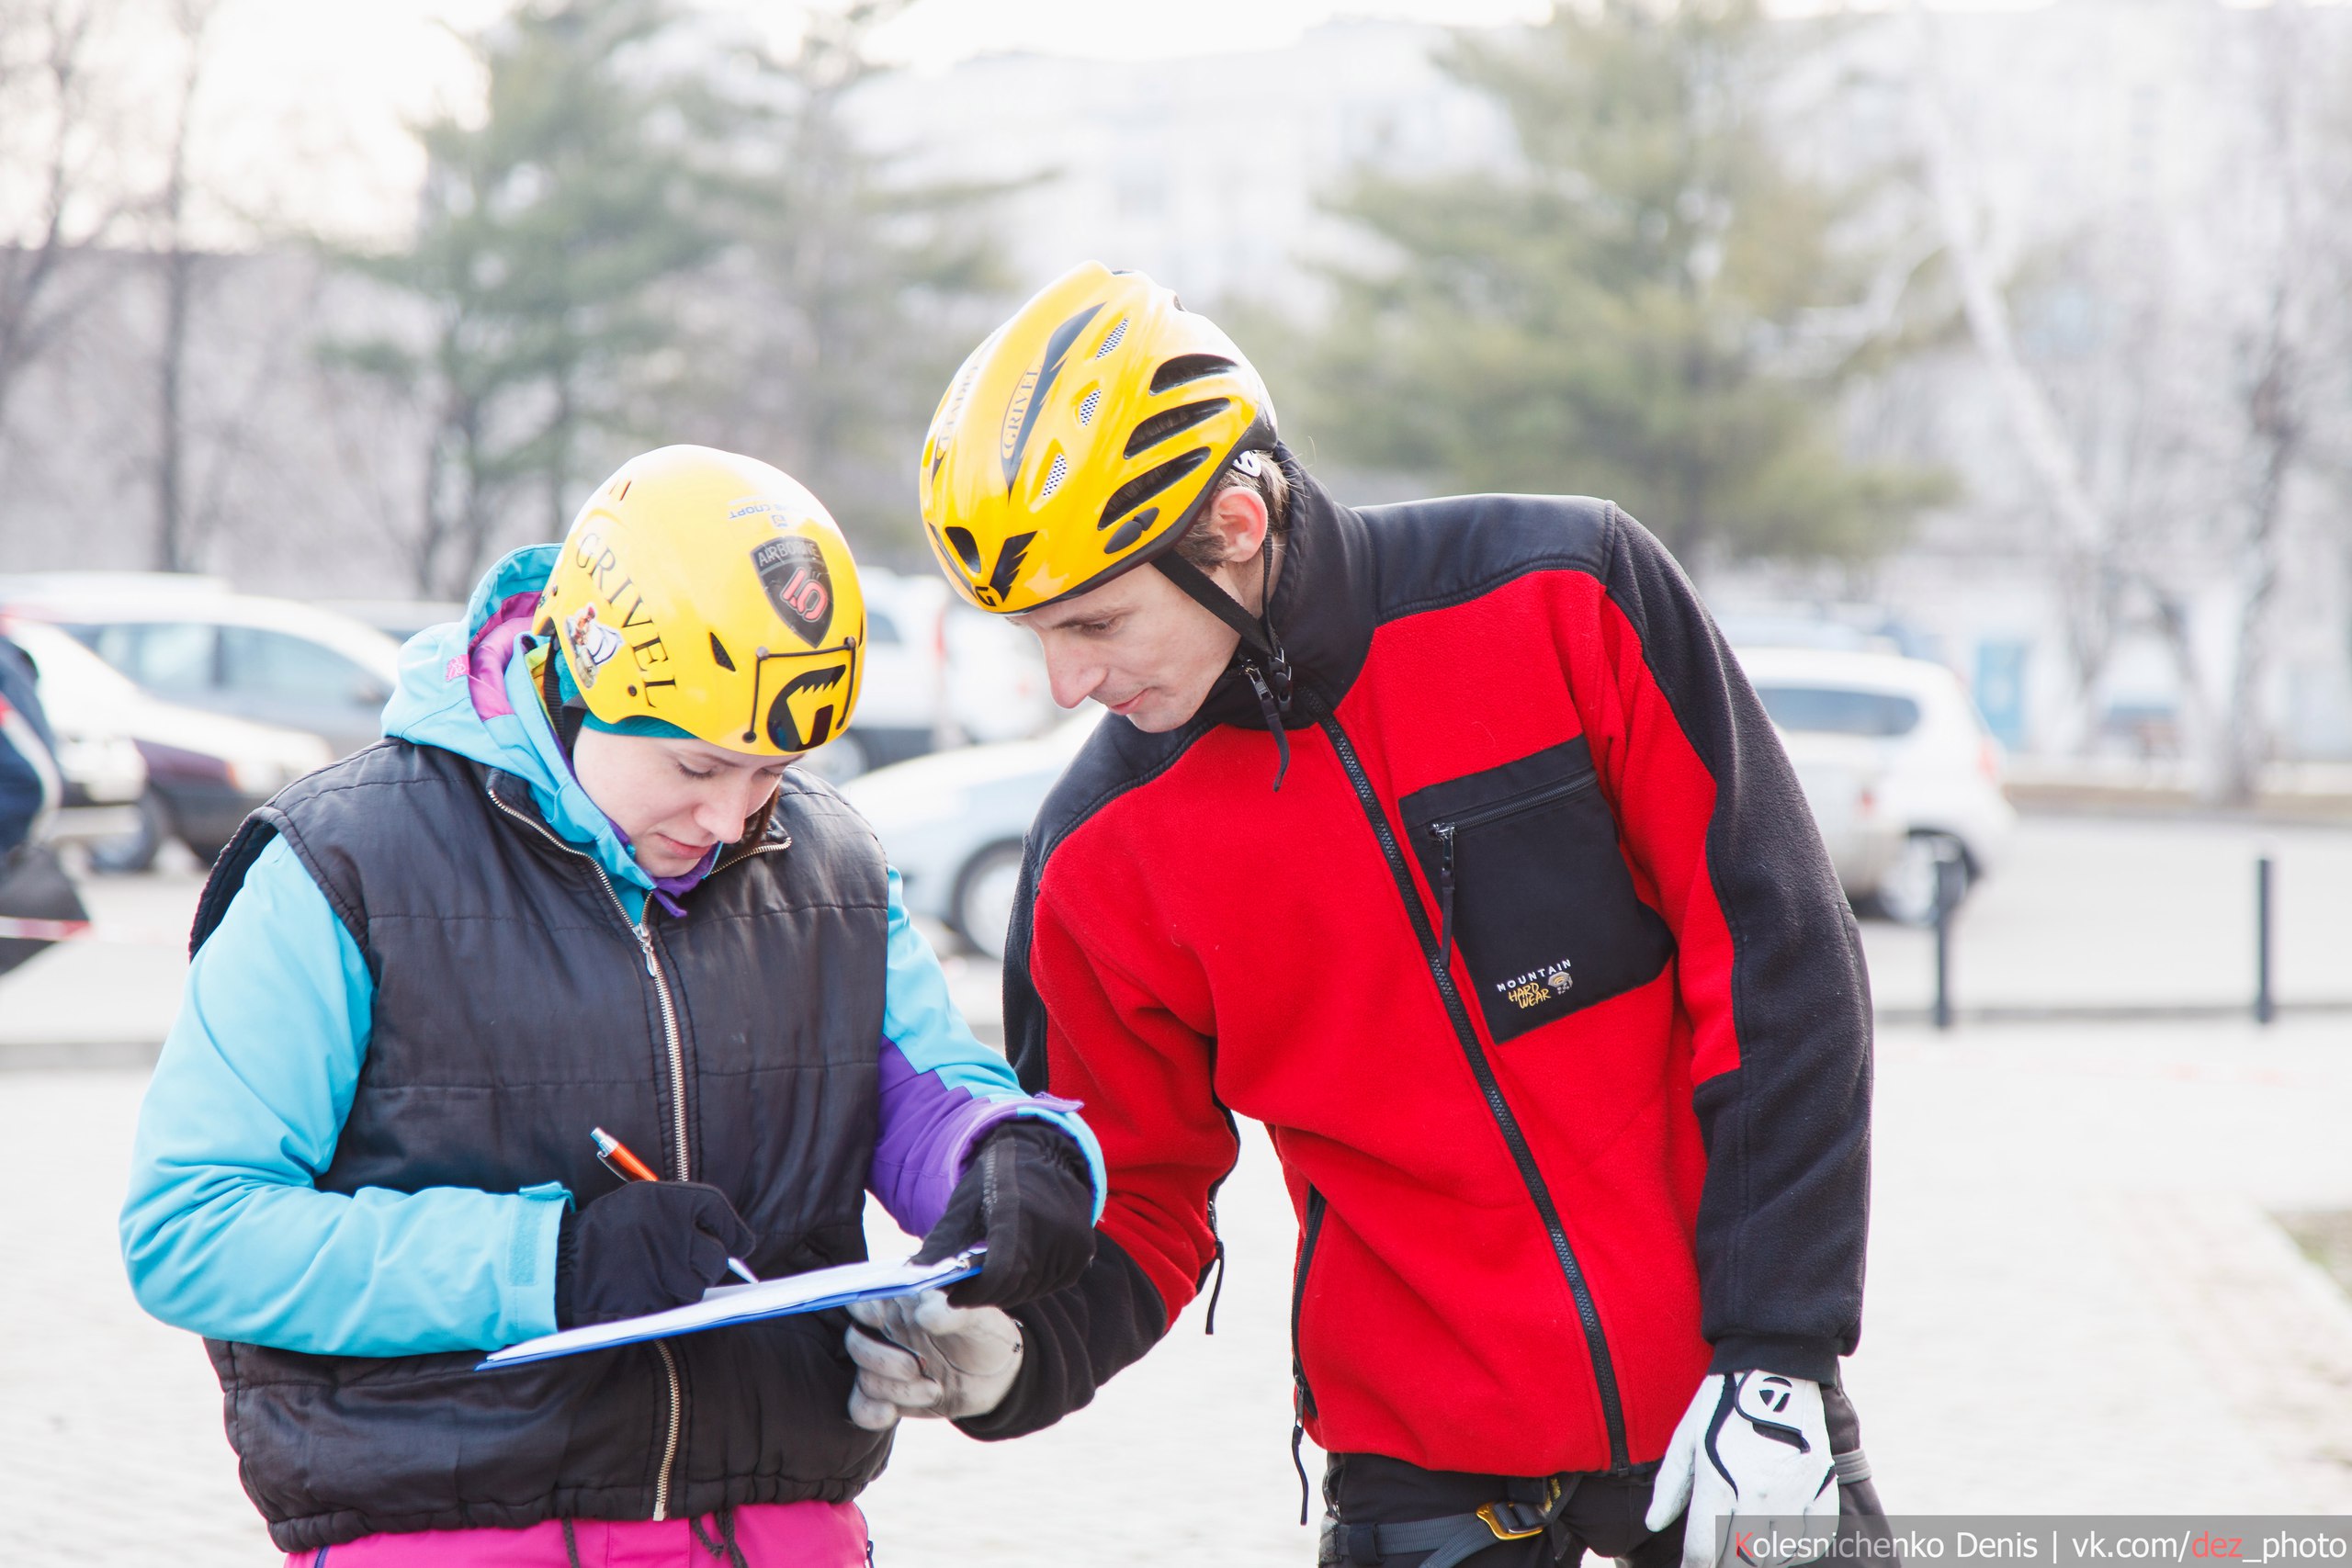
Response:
column 1138, row 646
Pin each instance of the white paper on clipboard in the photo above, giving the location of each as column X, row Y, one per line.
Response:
column 813, row 1292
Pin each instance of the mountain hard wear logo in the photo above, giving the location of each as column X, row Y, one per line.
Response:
column 1537, row 985
column 793, row 571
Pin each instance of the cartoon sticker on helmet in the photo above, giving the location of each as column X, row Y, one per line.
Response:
column 593, row 644
column 793, row 571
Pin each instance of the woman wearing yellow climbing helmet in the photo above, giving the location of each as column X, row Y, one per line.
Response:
column 578, row 886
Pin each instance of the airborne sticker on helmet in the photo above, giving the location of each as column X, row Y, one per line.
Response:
column 793, row 571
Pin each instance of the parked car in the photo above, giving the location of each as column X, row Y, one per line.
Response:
column 97, row 759
column 1918, row 757
column 952, row 823
column 399, row 619
column 201, row 771
column 938, row 672
column 194, row 643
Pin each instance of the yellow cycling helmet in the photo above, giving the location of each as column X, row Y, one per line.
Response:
column 707, row 594
column 1078, row 441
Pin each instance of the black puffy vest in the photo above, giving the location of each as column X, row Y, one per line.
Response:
column 516, row 1008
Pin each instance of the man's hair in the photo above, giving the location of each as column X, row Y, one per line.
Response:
column 1199, row 546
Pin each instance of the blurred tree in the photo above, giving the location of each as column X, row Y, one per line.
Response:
column 847, row 291
column 59, row 135
column 1650, row 303
column 176, row 261
column 545, row 235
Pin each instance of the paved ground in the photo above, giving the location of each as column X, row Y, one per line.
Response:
column 2077, row 1300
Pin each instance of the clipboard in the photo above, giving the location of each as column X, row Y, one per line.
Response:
column 722, row 1305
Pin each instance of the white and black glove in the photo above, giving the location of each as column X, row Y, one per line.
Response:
column 1753, row 1446
column 918, row 1355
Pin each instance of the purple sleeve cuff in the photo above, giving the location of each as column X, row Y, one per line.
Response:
column 929, row 1129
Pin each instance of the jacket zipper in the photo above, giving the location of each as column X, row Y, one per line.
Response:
column 678, row 1121
column 1604, row 1372
column 669, row 1035
column 1444, row 833
column 1302, row 1397
column 1305, row 1397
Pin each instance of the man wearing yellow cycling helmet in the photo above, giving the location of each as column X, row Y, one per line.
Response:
column 1447, row 840
column 580, row 885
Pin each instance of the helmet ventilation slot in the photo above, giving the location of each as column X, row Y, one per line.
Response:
column 966, row 549
column 1053, row 476
column 1149, row 483
column 1172, row 422
column 1088, row 404
column 1189, row 367
column 1117, row 335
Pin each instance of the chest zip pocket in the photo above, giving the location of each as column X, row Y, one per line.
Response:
column 1531, row 886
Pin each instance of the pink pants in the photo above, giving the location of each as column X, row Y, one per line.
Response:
column 770, row 1535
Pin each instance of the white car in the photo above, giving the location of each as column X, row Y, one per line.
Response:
column 938, row 672
column 191, row 641
column 1908, row 773
column 201, row 772
column 952, row 823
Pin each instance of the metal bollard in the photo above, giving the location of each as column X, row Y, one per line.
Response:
column 1948, row 887
column 2264, row 1006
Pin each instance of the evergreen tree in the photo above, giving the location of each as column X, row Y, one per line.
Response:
column 1625, row 309
column 850, row 293
column 545, row 235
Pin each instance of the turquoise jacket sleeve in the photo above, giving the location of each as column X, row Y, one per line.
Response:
column 224, row 1231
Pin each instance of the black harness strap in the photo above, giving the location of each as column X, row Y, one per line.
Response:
column 1456, row 1536
column 1272, row 684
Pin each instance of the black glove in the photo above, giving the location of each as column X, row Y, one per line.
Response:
column 1027, row 1193
column 645, row 1246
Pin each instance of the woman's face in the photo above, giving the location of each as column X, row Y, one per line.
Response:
column 673, row 798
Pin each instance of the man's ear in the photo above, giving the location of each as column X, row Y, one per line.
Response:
column 1237, row 519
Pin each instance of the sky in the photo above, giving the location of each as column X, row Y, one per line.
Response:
column 306, row 103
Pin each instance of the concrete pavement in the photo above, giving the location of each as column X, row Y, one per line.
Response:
column 2077, row 1300
column 2077, row 1303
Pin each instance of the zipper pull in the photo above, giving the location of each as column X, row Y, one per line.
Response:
column 1444, row 832
column 1274, row 712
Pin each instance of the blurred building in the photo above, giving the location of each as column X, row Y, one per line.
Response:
column 1205, row 171
column 2116, row 154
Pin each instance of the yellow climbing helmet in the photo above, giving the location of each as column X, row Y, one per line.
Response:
column 707, row 594
column 1080, row 437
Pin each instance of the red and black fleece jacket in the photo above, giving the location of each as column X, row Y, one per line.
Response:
column 1534, row 968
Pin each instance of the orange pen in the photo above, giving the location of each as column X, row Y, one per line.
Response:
column 628, row 1168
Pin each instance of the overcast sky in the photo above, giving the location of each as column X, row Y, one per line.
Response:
column 307, row 101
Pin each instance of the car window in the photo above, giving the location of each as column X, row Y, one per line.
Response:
column 880, row 627
column 257, row 663
column 1840, row 710
column 173, row 658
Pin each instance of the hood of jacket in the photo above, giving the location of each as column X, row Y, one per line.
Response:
column 467, row 687
column 1321, row 608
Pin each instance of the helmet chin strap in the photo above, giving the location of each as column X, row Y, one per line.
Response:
column 564, row 717
column 1259, row 643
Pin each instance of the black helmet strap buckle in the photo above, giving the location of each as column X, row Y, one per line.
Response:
column 1272, row 684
